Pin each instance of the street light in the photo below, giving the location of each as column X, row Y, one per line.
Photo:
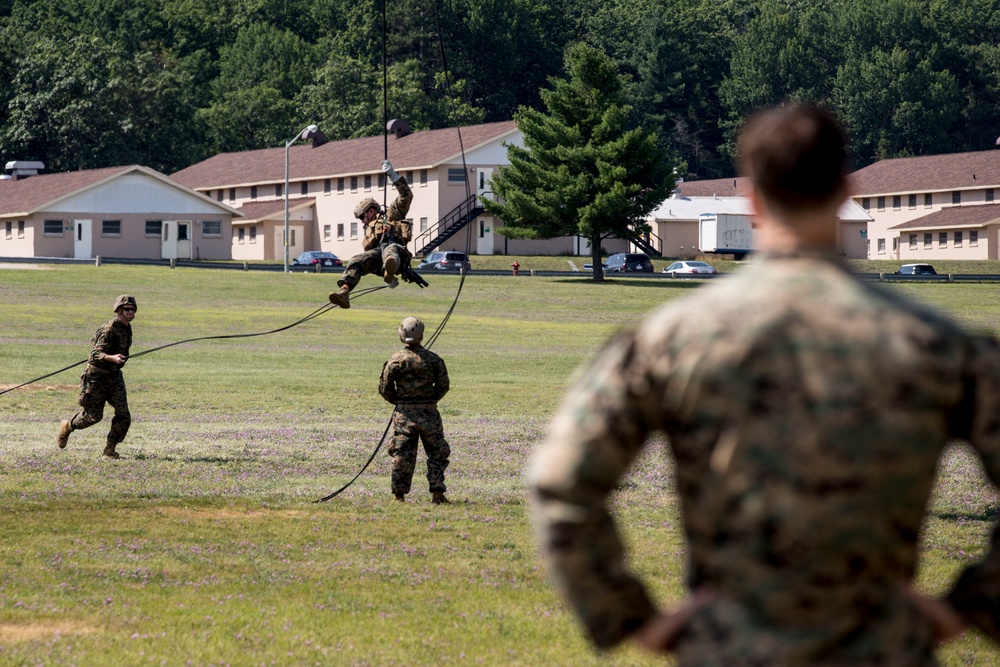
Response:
column 318, row 139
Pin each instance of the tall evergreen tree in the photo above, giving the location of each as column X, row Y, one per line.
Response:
column 586, row 168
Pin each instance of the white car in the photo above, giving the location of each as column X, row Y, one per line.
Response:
column 690, row 267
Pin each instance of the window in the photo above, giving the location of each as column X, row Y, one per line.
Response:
column 958, row 239
column 354, row 230
column 423, row 224
column 456, row 175
column 911, row 201
column 327, row 185
column 253, row 234
column 896, row 202
column 866, row 203
column 9, row 231
column 354, row 183
column 340, row 231
column 242, row 235
column 942, row 239
column 292, row 242
column 20, row 229
column 304, row 188
column 219, row 195
column 881, row 246
column 989, row 195
column 956, row 197
column 381, row 181
column 327, row 232
column 913, row 241
column 880, row 203
column 928, row 200
column 211, row 228
column 974, row 238
column 928, row 240
column 279, row 190
column 368, row 182
column 895, row 244
column 423, row 177
column 340, row 186
column 49, row 228
column 111, row 228
column 482, row 228
column 232, row 194
column 154, row 228
column 253, row 192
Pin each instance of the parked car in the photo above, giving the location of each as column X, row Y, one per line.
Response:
column 916, row 270
column 445, row 260
column 314, row 257
column 629, row 261
column 690, row 267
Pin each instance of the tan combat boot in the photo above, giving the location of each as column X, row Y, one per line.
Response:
column 438, row 498
column 341, row 298
column 389, row 269
column 110, row 452
column 65, row 428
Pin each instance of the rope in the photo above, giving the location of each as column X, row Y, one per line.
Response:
column 385, row 105
column 468, row 235
column 316, row 313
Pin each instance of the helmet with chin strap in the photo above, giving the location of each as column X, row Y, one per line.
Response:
column 364, row 205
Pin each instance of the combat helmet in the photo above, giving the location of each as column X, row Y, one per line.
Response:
column 364, row 205
column 125, row 300
column 411, row 331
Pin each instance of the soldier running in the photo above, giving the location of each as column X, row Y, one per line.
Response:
column 385, row 239
column 102, row 381
column 415, row 379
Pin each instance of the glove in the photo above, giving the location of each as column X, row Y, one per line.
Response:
column 390, row 173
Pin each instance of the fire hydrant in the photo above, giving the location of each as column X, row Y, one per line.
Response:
column 516, row 266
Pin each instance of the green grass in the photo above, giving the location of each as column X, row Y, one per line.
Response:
column 202, row 543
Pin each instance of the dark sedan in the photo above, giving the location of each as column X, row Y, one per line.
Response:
column 314, row 257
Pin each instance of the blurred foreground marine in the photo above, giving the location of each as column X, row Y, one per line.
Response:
column 806, row 411
column 415, row 379
column 102, row 381
column 385, row 239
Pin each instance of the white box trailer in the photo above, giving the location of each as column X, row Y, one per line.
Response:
column 725, row 233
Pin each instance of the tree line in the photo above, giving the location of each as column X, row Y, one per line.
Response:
column 166, row 83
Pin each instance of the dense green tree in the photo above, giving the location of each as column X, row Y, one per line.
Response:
column 586, row 168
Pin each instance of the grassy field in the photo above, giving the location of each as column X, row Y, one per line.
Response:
column 202, row 545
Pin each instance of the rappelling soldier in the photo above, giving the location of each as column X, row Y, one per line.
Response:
column 102, row 381
column 385, row 238
column 415, row 379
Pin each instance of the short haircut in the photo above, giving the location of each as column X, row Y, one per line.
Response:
column 795, row 156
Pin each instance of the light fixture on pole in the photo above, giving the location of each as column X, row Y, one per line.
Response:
column 318, row 139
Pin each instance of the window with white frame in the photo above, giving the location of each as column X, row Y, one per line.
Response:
column 368, row 182
column 897, row 202
column 928, row 240
column 340, row 186
column 958, row 239
column 974, row 237
column 354, row 230
column 9, row 230
column 340, row 231
column 913, row 241
column 354, row 183
column 989, row 195
column 55, row 228
column 111, row 228
column 423, row 177
column 928, row 200
column 381, row 181
column 423, row 225
column 327, row 185
column 20, row 229
column 253, row 234
column 942, row 239
column 866, row 203
column 232, row 194
column 881, row 246
column 241, row 235
column 211, row 228
column 911, row 201
column 154, row 228
column 956, row 197
column 327, row 232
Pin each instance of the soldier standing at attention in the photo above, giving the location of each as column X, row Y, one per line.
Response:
column 415, row 379
column 102, row 381
column 386, row 236
column 806, row 411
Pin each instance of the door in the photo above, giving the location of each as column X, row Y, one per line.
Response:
column 83, row 239
column 168, row 240
column 484, row 241
column 183, row 240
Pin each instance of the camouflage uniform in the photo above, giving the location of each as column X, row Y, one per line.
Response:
column 806, row 412
column 376, row 252
column 415, row 379
column 102, row 382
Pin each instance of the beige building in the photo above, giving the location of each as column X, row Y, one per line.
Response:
column 131, row 212
column 921, row 207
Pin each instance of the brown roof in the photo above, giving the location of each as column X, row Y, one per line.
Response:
column 261, row 210
column 350, row 156
column 27, row 195
column 954, row 171
column 719, row 187
column 976, row 215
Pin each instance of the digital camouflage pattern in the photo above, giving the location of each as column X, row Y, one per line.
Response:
column 394, row 221
column 415, row 379
column 102, row 382
column 806, row 411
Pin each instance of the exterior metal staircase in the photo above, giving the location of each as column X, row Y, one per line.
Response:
column 649, row 243
column 452, row 223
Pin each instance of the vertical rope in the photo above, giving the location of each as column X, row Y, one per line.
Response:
column 385, row 103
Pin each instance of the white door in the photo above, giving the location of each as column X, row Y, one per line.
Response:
column 83, row 239
column 484, row 240
column 168, row 241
